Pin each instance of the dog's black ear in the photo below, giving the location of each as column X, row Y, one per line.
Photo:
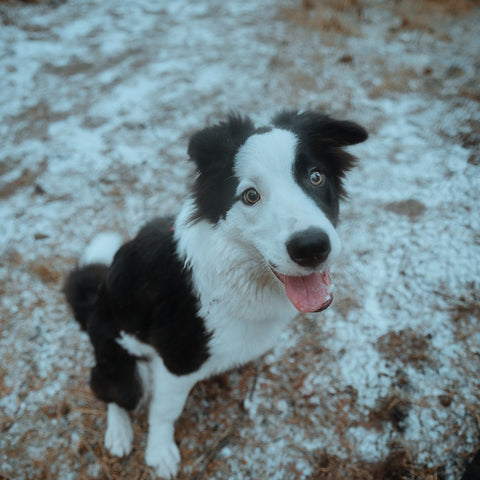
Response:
column 317, row 127
column 215, row 147
column 324, row 138
column 341, row 133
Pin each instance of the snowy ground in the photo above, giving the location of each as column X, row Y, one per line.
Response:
column 97, row 100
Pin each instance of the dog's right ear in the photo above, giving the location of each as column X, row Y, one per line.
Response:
column 320, row 128
column 214, row 148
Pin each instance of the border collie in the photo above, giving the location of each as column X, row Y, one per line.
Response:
column 212, row 288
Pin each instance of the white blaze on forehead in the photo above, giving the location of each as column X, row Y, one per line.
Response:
column 264, row 153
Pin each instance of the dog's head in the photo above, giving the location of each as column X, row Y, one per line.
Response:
column 275, row 192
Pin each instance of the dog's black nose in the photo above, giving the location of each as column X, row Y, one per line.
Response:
column 309, row 248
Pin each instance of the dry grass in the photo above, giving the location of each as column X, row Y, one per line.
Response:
column 430, row 15
column 26, row 178
column 213, row 419
column 344, row 16
column 327, row 16
column 335, row 21
column 407, row 346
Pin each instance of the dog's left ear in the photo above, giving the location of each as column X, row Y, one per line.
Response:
column 214, row 148
column 324, row 137
column 317, row 127
column 341, row 133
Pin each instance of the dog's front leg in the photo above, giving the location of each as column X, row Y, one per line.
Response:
column 119, row 433
column 168, row 398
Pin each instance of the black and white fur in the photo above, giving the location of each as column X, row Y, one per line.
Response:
column 201, row 293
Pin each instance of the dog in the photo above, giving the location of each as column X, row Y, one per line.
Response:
column 212, row 288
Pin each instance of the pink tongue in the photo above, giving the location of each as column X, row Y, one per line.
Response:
column 309, row 294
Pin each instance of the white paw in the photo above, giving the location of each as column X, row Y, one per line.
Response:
column 119, row 434
column 119, row 439
column 164, row 458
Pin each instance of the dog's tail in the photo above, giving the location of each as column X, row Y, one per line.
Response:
column 82, row 284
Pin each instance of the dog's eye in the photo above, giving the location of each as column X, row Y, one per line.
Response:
column 250, row 196
column 316, row 178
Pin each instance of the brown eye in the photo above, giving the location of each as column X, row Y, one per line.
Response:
column 316, row 178
column 251, row 196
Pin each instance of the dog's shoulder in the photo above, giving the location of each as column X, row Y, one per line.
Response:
column 151, row 296
column 141, row 258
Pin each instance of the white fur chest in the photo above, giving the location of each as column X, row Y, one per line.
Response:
column 242, row 303
column 243, row 329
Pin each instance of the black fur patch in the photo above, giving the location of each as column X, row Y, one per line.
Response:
column 321, row 139
column 325, row 195
column 146, row 293
column 114, row 378
column 149, row 295
column 473, row 470
column 262, row 130
column 81, row 290
column 213, row 149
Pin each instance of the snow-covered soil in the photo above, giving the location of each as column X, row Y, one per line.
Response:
column 97, row 101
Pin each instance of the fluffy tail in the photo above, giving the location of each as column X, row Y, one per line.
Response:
column 82, row 284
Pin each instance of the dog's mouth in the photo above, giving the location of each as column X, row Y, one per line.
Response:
column 310, row 293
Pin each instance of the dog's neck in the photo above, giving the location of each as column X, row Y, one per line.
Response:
column 218, row 262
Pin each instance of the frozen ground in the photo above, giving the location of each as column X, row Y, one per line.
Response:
column 97, row 100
